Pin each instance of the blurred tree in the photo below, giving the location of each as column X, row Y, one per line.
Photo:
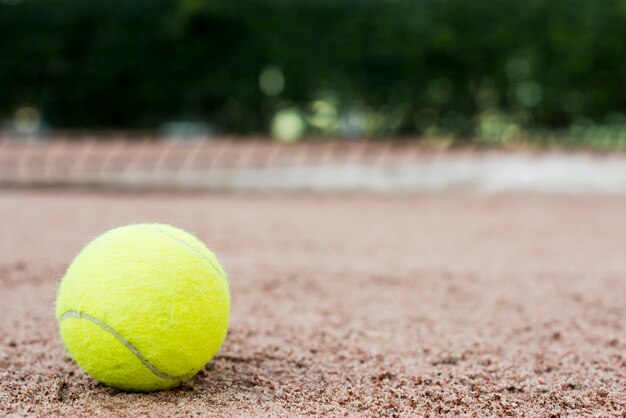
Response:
column 402, row 66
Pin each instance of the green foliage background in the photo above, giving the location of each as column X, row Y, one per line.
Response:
column 448, row 67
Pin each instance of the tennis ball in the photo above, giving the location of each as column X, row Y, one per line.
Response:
column 143, row 307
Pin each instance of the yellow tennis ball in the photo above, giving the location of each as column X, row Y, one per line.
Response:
column 143, row 307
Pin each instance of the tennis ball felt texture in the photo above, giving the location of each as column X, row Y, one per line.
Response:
column 143, row 307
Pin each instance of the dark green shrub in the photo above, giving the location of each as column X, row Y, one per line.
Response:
column 443, row 66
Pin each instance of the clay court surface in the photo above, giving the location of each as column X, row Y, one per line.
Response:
column 347, row 305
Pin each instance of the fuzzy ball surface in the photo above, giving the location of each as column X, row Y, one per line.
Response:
column 143, row 307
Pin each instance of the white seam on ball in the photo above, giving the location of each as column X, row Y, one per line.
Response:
column 192, row 248
column 127, row 344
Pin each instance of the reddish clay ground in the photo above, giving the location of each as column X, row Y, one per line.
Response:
column 358, row 305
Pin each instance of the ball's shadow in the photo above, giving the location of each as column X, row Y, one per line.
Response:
column 225, row 378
